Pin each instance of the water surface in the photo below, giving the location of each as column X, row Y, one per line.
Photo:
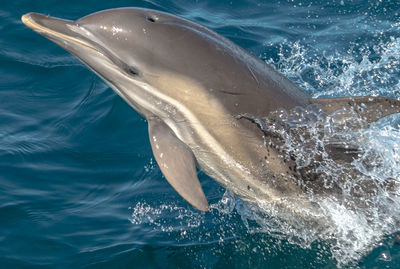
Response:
column 79, row 186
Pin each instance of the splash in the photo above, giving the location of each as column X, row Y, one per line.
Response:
column 367, row 69
column 368, row 209
column 187, row 225
column 348, row 169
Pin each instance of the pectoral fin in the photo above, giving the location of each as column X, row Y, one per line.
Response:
column 177, row 163
column 370, row 108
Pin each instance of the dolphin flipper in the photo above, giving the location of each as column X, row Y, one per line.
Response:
column 177, row 163
column 369, row 108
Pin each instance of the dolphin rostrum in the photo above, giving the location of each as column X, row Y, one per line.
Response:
column 195, row 88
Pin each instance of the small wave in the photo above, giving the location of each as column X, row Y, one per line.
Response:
column 42, row 60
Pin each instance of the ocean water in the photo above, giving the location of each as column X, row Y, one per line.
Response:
column 79, row 187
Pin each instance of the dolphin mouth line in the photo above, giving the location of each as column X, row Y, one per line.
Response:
column 31, row 23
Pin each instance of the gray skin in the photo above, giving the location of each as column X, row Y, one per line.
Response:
column 192, row 85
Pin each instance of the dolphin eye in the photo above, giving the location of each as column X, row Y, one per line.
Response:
column 132, row 71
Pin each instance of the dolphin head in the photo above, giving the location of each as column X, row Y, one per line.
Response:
column 133, row 49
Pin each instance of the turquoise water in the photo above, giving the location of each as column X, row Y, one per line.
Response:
column 79, row 186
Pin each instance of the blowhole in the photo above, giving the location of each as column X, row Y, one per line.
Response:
column 151, row 19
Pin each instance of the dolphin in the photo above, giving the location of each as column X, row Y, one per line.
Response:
column 195, row 88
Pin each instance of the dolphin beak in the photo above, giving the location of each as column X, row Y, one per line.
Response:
column 40, row 22
column 58, row 30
